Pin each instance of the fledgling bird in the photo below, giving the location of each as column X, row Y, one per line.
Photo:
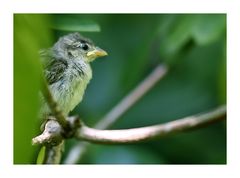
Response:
column 67, row 70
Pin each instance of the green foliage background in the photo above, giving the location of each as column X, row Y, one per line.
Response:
column 193, row 45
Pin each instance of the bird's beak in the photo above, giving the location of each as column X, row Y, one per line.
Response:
column 97, row 52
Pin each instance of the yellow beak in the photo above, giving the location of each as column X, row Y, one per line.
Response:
column 97, row 52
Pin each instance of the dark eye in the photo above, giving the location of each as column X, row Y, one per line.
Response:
column 84, row 46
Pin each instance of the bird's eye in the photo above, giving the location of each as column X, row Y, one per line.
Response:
column 84, row 46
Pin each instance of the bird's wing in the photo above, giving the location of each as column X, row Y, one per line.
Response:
column 54, row 71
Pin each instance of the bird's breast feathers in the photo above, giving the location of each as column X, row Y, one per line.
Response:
column 68, row 91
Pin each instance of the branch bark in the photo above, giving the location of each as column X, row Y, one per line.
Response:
column 82, row 132
column 150, row 132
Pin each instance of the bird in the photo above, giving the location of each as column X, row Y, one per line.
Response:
column 67, row 70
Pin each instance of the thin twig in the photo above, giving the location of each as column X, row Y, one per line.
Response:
column 132, row 97
column 150, row 132
column 136, row 94
column 56, row 112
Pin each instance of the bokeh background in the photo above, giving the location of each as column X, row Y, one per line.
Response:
column 192, row 45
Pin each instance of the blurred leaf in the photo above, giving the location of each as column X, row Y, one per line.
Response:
column 29, row 36
column 202, row 28
column 75, row 24
column 178, row 35
column 208, row 28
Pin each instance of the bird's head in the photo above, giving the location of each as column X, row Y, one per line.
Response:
column 74, row 46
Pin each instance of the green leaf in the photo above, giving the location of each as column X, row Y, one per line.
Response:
column 177, row 37
column 208, row 28
column 41, row 155
column 203, row 29
column 75, row 24
column 30, row 34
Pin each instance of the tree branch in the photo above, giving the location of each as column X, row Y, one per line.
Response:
column 51, row 135
column 82, row 132
column 150, row 132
